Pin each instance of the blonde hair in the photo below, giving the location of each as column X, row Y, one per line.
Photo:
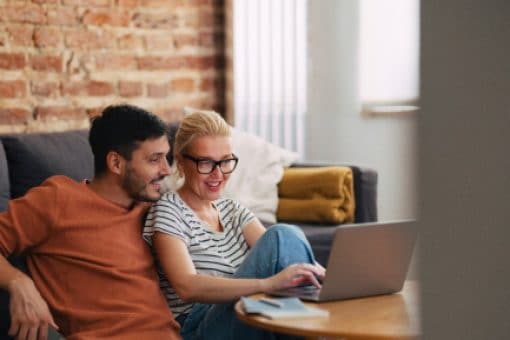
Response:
column 199, row 124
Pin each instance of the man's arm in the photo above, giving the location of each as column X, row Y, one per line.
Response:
column 30, row 315
column 26, row 223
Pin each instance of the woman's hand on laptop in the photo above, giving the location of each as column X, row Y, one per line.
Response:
column 322, row 271
column 295, row 275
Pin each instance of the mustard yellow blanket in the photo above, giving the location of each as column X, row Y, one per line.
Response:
column 323, row 194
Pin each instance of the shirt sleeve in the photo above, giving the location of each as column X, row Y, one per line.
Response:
column 242, row 215
column 165, row 216
column 28, row 220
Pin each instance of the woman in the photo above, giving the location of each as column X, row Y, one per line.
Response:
column 211, row 250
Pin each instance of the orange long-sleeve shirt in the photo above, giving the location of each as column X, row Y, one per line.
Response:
column 89, row 262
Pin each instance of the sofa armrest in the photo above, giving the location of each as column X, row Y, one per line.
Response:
column 365, row 190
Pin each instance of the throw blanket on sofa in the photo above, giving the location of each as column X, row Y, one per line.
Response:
column 323, row 194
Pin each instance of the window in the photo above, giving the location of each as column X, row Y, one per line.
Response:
column 389, row 55
column 269, row 44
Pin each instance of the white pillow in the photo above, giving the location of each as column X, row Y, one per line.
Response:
column 254, row 183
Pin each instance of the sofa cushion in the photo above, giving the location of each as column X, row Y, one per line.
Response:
column 263, row 161
column 4, row 180
column 34, row 157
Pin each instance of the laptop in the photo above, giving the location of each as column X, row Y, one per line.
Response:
column 366, row 259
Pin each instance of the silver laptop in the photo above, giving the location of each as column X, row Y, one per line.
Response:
column 366, row 259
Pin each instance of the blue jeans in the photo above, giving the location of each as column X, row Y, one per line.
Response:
column 280, row 246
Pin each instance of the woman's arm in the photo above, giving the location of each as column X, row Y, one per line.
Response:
column 252, row 231
column 193, row 287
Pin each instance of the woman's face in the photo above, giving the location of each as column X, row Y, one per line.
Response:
column 197, row 159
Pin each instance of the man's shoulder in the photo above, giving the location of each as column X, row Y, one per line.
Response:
column 61, row 179
column 61, row 182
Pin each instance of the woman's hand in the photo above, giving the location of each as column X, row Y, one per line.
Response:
column 295, row 275
column 322, row 271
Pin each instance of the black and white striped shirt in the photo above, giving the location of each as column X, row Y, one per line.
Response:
column 213, row 253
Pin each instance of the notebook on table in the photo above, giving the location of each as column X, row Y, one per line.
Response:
column 366, row 259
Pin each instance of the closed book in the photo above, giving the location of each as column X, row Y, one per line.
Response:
column 281, row 308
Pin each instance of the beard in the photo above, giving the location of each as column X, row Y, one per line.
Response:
column 137, row 188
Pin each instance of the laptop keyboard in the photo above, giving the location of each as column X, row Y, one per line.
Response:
column 309, row 290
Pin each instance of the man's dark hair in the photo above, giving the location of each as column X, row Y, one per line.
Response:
column 121, row 128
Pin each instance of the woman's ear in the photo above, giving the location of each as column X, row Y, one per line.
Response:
column 115, row 162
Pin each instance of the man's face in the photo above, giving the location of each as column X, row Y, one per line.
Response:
column 143, row 174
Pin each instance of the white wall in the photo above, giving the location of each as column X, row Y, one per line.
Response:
column 336, row 131
column 464, row 142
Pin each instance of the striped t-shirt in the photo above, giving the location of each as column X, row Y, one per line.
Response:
column 213, row 253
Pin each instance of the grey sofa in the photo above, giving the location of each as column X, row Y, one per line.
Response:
column 26, row 160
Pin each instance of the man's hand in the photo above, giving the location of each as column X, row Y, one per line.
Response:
column 30, row 315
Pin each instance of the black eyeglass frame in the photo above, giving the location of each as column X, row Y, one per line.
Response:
column 216, row 164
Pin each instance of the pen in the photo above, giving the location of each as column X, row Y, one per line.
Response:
column 272, row 302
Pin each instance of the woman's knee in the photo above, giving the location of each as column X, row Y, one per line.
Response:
column 292, row 245
column 286, row 230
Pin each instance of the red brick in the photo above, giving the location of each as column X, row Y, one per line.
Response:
column 46, row 63
column 206, row 39
column 182, row 84
column 12, row 89
column 205, row 18
column 12, row 61
column 94, row 112
column 157, row 90
column 128, row 3
column 212, row 84
column 130, row 88
column 87, row 3
column 20, row 35
column 160, row 20
column 42, row 2
column 172, row 4
column 212, row 39
column 159, row 42
column 47, row 36
column 182, row 40
column 110, row 61
column 90, row 88
column 215, row 3
column 46, row 113
column 171, row 115
column 72, row 88
column 44, row 88
column 206, row 62
column 88, row 40
column 25, row 13
column 129, row 42
column 62, row 16
column 106, row 17
column 161, row 63
column 99, row 88
column 207, row 102
column 14, row 115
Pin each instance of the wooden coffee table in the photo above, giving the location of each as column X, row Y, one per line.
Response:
column 394, row 316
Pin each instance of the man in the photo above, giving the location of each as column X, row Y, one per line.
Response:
column 92, row 275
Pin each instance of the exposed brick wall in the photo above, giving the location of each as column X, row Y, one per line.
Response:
column 61, row 61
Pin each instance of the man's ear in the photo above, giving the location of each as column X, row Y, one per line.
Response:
column 115, row 162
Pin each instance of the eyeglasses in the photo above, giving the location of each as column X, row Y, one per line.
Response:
column 206, row 166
